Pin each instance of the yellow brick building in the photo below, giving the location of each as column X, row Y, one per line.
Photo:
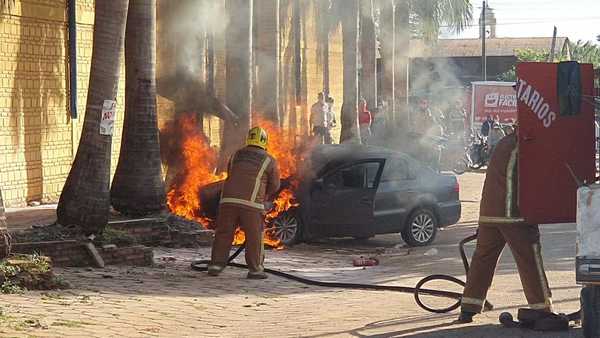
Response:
column 38, row 139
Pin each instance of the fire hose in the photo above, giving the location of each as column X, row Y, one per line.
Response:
column 417, row 290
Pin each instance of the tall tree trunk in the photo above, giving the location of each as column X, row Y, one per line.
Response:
column 368, row 53
column 350, row 132
column 238, row 78
column 4, row 235
column 401, row 62
column 324, row 36
column 138, row 187
column 267, row 58
column 386, row 8
column 85, row 199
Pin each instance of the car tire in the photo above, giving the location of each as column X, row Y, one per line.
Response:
column 287, row 228
column 421, row 228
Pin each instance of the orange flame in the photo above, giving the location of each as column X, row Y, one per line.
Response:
column 198, row 169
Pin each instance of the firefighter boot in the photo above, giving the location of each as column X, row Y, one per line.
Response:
column 465, row 317
column 215, row 269
column 257, row 275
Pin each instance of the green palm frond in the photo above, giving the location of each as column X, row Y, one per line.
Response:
column 585, row 52
column 428, row 16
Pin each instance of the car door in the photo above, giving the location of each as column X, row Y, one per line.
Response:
column 343, row 200
column 396, row 195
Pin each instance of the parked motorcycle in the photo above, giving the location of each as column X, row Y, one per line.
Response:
column 477, row 153
column 452, row 150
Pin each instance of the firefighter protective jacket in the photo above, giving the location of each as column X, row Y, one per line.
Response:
column 499, row 200
column 252, row 177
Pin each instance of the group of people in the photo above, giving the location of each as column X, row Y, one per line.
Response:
column 322, row 119
column 494, row 131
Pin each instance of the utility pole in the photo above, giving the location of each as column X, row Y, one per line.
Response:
column 551, row 57
column 483, row 56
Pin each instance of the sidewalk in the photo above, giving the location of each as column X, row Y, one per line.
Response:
column 171, row 300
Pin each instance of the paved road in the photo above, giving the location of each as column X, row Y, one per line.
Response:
column 170, row 300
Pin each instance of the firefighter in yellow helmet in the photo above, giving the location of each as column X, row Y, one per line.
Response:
column 252, row 179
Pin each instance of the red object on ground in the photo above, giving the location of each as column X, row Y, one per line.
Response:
column 549, row 141
column 365, row 261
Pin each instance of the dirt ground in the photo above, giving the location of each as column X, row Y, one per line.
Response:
column 171, row 300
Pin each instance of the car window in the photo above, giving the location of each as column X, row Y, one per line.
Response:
column 361, row 175
column 395, row 170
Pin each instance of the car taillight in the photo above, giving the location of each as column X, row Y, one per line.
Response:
column 456, row 187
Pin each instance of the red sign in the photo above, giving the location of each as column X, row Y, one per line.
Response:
column 495, row 99
column 549, row 142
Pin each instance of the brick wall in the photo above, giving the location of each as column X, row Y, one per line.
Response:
column 71, row 253
column 38, row 140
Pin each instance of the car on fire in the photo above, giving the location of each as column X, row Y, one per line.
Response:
column 361, row 191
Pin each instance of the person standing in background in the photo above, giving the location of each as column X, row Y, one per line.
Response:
column 365, row 120
column 330, row 121
column 317, row 118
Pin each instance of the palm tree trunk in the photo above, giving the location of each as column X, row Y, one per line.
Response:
column 386, row 8
column 323, row 35
column 267, row 59
column 238, row 78
column 138, row 187
column 85, row 199
column 4, row 235
column 368, row 53
column 401, row 59
column 350, row 132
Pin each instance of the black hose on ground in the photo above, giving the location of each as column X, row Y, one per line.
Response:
column 417, row 291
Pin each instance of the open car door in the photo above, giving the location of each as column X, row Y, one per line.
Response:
column 342, row 200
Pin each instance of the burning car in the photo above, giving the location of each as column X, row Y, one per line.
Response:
column 359, row 191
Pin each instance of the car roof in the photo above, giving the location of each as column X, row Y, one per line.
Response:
column 324, row 154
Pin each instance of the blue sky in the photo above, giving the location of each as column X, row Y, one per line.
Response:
column 576, row 19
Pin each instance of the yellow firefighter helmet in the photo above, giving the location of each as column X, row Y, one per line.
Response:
column 258, row 137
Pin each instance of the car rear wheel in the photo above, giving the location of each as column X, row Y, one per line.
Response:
column 421, row 228
column 286, row 228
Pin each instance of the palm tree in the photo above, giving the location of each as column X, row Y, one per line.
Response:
column 266, row 17
column 349, row 15
column 428, row 16
column 239, row 82
column 368, row 53
column 138, row 187
column 4, row 235
column 422, row 18
column 85, row 199
column 386, row 40
column 401, row 61
column 585, row 52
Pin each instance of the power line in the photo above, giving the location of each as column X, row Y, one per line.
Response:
column 534, row 22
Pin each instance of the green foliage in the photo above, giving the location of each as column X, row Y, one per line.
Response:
column 428, row 16
column 7, row 270
column 22, row 272
column 117, row 237
column 584, row 52
column 10, row 287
